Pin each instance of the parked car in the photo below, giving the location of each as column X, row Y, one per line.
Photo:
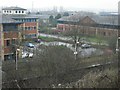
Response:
column 24, row 54
column 30, row 55
column 30, row 45
column 85, row 46
column 38, row 40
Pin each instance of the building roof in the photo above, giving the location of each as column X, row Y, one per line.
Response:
column 111, row 20
column 7, row 19
column 72, row 18
column 23, row 17
column 13, row 8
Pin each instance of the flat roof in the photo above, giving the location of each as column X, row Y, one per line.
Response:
column 13, row 8
column 7, row 19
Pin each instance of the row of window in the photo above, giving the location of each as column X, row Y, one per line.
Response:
column 7, row 11
column 10, row 42
column 9, row 57
column 10, row 28
column 30, row 28
column 30, row 36
column 26, row 20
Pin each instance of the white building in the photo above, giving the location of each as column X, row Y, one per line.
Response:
column 14, row 11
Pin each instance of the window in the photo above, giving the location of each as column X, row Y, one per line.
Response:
column 19, row 11
column 34, row 28
column 29, row 28
column 104, row 33
column 23, row 20
column 109, row 34
column 15, row 11
column 26, row 28
column 8, row 43
column 13, row 41
column 30, row 36
column 5, row 11
column 22, row 11
column 10, row 11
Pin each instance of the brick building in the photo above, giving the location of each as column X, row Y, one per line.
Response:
column 93, row 25
column 16, row 25
column 29, row 28
column 1, row 42
column 9, row 37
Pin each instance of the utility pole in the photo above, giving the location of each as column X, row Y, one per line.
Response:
column 76, row 44
column 16, row 61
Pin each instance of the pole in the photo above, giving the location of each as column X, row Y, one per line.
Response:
column 75, row 51
column 16, row 62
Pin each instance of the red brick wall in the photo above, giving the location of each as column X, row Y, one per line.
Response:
column 30, row 24
column 89, row 30
column 30, row 32
column 7, row 50
column 10, row 35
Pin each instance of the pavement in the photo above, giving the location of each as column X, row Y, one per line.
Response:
column 68, row 38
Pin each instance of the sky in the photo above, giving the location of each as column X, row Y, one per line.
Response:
column 111, row 5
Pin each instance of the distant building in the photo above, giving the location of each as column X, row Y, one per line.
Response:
column 14, row 11
column 108, row 13
column 93, row 25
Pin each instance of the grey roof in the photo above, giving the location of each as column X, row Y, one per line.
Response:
column 23, row 16
column 11, row 18
column 40, row 16
column 7, row 19
column 13, row 8
column 72, row 18
column 111, row 20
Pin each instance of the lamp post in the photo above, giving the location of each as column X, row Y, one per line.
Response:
column 76, row 43
column 16, row 64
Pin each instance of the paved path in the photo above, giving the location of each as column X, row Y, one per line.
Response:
column 67, row 38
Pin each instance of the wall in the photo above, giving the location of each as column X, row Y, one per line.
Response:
column 87, row 30
column 14, row 12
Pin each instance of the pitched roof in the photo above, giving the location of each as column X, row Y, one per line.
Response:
column 111, row 20
column 13, row 8
column 72, row 18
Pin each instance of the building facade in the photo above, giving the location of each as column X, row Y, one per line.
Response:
column 88, row 26
column 16, row 25
column 11, row 40
column 1, row 42
column 29, row 28
column 14, row 11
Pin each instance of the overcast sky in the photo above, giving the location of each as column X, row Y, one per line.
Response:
column 72, row 4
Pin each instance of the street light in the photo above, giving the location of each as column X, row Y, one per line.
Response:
column 117, row 45
column 76, row 43
column 16, row 66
